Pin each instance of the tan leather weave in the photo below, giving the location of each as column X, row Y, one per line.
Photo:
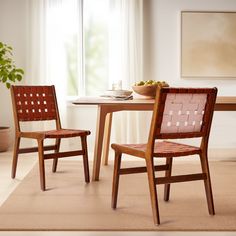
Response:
column 64, row 133
column 204, row 126
column 161, row 149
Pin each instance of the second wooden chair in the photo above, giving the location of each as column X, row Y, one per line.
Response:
column 39, row 103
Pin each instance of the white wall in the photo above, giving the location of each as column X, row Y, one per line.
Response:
column 165, row 34
column 12, row 32
column 164, row 52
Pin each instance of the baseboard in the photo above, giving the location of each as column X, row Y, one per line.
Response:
column 222, row 154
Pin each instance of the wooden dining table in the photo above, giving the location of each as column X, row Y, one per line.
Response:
column 106, row 107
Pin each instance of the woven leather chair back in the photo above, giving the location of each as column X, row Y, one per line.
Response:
column 184, row 112
column 35, row 103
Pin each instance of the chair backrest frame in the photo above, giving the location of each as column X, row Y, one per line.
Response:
column 158, row 114
column 34, row 103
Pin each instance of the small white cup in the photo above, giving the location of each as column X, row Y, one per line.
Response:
column 117, row 85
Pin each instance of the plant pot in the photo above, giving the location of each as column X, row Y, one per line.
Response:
column 4, row 138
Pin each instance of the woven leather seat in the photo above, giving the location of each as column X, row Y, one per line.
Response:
column 161, row 149
column 61, row 133
column 38, row 103
column 178, row 113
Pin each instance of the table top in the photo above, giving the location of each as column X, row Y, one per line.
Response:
column 221, row 100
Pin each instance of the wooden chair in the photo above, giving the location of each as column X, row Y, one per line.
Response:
column 178, row 113
column 38, row 103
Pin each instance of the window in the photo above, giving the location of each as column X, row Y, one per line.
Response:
column 96, row 46
column 77, row 40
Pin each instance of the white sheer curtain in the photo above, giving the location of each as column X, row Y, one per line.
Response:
column 126, row 64
column 35, row 55
column 63, row 28
column 51, row 26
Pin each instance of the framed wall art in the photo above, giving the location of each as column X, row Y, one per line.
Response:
column 208, row 44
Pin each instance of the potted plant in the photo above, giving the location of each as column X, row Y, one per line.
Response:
column 8, row 74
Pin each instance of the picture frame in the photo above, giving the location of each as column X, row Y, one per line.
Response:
column 208, row 44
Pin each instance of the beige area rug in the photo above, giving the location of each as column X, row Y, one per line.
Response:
column 70, row 204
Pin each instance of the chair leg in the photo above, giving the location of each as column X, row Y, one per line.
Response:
column 116, row 177
column 85, row 159
column 55, row 160
column 207, row 183
column 153, row 191
column 168, row 174
column 41, row 164
column 15, row 157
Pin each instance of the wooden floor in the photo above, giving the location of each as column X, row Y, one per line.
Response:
column 7, row 185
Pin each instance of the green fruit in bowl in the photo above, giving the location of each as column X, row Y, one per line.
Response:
column 148, row 88
column 140, row 83
column 151, row 82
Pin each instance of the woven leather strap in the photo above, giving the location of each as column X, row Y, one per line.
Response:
column 185, row 112
column 34, row 103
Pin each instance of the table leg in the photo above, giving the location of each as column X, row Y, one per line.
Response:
column 106, row 141
column 101, row 115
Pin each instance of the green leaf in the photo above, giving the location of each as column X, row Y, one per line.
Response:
column 18, row 77
column 4, row 79
column 3, row 62
column 19, row 71
column 12, row 77
column 8, row 85
column 10, row 48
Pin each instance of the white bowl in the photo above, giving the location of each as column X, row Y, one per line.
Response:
column 120, row 93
